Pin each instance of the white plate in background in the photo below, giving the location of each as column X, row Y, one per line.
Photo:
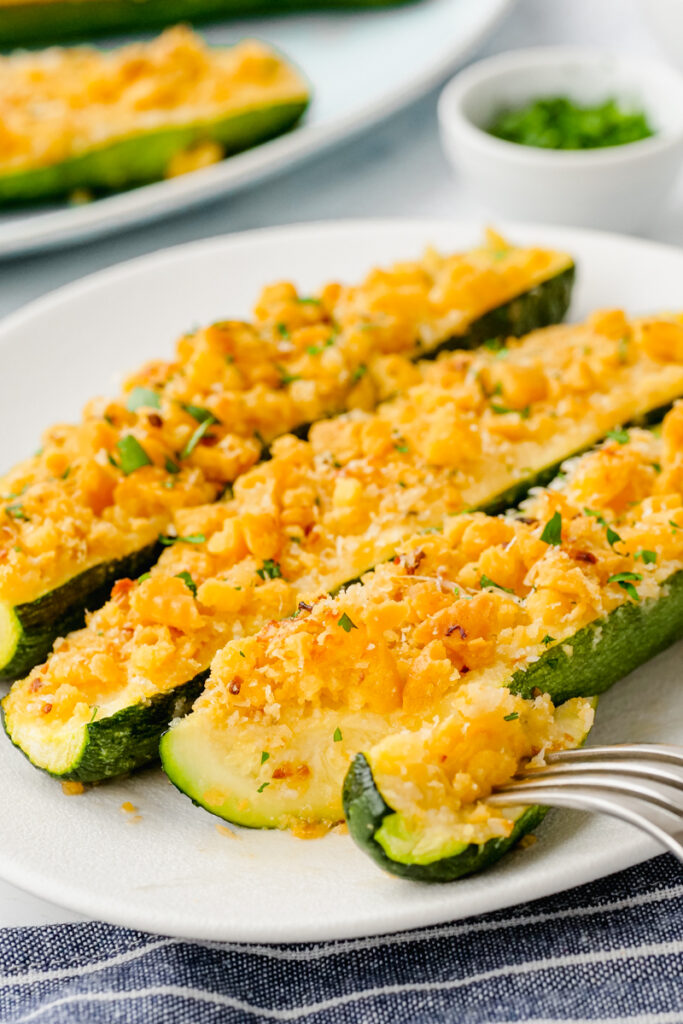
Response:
column 173, row 872
column 363, row 66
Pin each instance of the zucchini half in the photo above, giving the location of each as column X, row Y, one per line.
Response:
column 600, row 655
column 29, row 624
column 394, row 657
column 109, row 138
column 356, row 510
column 42, row 22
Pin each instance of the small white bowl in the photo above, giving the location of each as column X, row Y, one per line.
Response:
column 617, row 188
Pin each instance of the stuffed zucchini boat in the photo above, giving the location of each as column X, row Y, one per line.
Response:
column 418, row 675
column 183, row 430
column 80, row 120
column 33, row 22
column 319, row 513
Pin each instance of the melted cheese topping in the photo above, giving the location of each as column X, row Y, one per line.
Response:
column 300, row 359
column 60, row 103
column 286, row 535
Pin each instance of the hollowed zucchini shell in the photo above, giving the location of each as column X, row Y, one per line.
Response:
column 589, row 663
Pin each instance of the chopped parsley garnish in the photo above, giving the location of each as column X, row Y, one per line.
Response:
column 402, row 447
column 625, row 581
column 170, row 466
column 337, row 735
column 270, row 570
column 674, row 526
column 264, row 756
column 145, row 576
column 619, row 435
column 502, row 410
column 242, row 654
column 263, row 786
column 169, row 484
column 511, row 717
column 143, row 398
column 282, row 330
column 199, row 413
column 196, row 437
column 313, row 350
column 308, row 300
column 66, row 473
column 346, row 623
column 612, row 537
column 188, row 581
column 191, row 538
column 486, row 581
column 16, row 511
column 558, row 122
column 494, row 344
column 548, row 639
column 359, row 372
column 657, row 466
column 646, row 557
column 132, row 455
column 286, row 377
column 552, row 531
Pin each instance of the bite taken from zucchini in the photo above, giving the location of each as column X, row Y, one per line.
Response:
column 433, row 680
column 87, row 509
column 137, row 115
column 322, row 512
column 43, row 22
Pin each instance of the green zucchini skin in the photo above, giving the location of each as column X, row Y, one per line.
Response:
column 126, row 740
column 38, row 624
column 33, row 24
column 602, row 653
column 142, row 158
column 366, row 809
column 545, row 304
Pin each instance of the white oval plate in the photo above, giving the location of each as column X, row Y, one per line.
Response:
column 362, row 67
column 173, row 872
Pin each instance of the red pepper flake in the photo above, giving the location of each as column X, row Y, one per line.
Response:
column 585, row 556
column 303, row 607
column 456, row 629
column 235, row 686
column 121, row 588
column 209, row 440
column 46, row 709
column 412, row 565
column 154, row 419
column 36, row 684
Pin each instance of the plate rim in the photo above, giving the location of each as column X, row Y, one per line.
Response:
column 526, row 889
column 252, row 167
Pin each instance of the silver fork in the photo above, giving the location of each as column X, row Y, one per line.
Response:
column 641, row 783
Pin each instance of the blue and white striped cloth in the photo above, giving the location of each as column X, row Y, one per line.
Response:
column 610, row 951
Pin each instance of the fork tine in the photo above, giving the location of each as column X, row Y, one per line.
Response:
column 640, row 751
column 656, row 771
column 655, row 822
column 614, row 785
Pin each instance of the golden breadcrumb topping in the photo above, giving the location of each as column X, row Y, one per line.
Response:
column 231, row 571
column 477, row 602
column 190, row 426
column 59, row 103
column 437, row 777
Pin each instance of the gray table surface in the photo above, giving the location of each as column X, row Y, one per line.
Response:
column 396, row 170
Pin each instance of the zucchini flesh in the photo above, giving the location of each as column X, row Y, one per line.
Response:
column 234, row 363
column 41, row 22
column 237, row 592
column 297, row 679
column 196, row 106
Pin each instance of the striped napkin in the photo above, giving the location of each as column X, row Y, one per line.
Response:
column 609, row 951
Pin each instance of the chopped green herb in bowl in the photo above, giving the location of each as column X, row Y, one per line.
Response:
column 559, row 123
